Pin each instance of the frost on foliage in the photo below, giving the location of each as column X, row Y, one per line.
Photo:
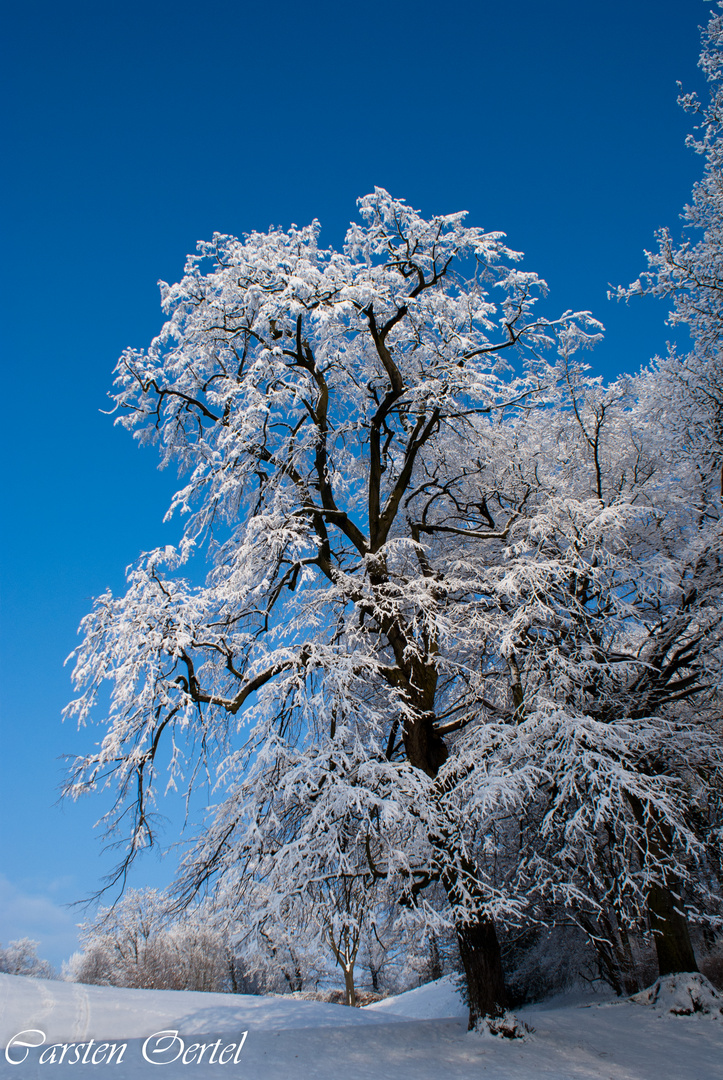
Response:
column 317, row 402
column 137, row 943
column 20, row 958
column 689, row 273
column 458, row 597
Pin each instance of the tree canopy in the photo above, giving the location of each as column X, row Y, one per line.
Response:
column 459, row 633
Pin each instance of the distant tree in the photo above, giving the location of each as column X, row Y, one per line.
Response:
column 20, row 958
column 395, row 953
column 136, row 944
column 279, row 948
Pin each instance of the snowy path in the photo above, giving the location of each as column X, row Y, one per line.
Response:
column 312, row 1041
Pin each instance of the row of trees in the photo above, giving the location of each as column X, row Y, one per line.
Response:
column 133, row 944
column 138, row 943
column 459, row 642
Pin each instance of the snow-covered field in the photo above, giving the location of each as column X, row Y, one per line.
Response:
column 420, row 1035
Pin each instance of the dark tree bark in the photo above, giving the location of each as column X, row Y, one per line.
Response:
column 666, row 910
column 670, row 932
column 478, row 944
column 435, row 960
column 479, row 950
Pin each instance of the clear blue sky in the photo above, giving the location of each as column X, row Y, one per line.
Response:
column 133, row 130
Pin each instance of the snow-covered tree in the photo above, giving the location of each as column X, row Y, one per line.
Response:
column 276, row 937
column 21, row 958
column 610, row 611
column 136, row 943
column 396, row 954
column 689, row 273
column 331, row 411
column 344, row 928
column 684, row 390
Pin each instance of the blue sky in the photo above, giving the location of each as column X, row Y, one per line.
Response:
column 133, row 130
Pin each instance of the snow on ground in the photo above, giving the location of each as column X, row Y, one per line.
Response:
column 431, row 1002
column 682, row 995
column 420, row 1035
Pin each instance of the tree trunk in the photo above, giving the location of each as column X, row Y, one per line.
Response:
column 479, row 950
column 670, row 932
column 665, row 907
column 613, row 949
column 435, row 960
column 349, row 988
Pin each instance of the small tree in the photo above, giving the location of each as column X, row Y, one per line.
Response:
column 344, row 943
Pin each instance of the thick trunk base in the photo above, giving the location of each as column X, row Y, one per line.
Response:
column 479, row 951
column 670, row 932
